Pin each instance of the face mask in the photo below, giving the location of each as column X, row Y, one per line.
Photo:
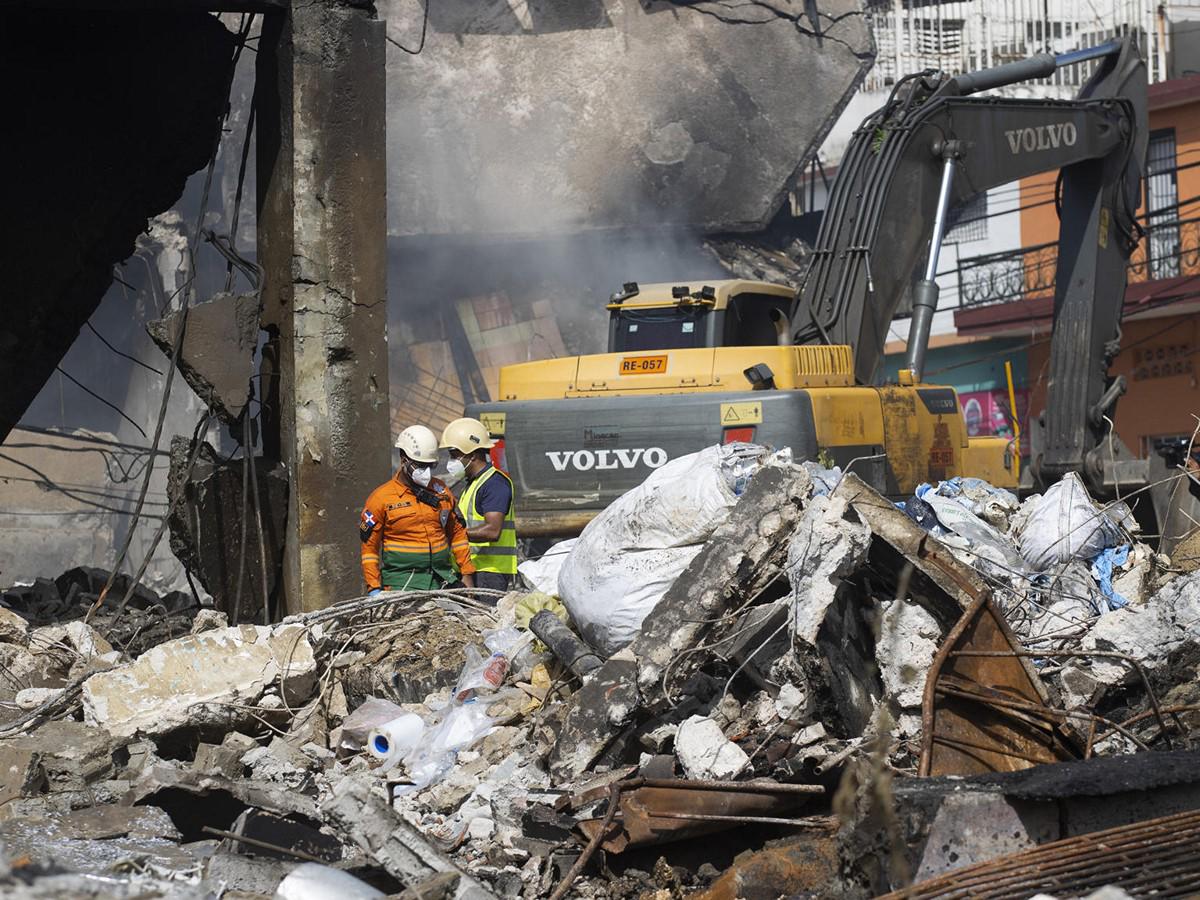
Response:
column 421, row 476
column 455, row 468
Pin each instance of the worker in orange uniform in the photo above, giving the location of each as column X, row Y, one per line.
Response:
column 412, row 537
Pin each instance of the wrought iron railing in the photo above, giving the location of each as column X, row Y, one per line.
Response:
column 1168, row 250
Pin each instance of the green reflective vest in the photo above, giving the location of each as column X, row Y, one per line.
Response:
column 500, row 555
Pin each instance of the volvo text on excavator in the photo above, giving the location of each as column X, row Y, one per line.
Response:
column 693, row 364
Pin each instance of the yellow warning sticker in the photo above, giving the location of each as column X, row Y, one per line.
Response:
column 736, row 414
column 494, row 422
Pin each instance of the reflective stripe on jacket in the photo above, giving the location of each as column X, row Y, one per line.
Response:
column 500, row 555
column 411, row 545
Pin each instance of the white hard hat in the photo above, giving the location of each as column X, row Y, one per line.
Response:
column 467, row 436
column 418, row 443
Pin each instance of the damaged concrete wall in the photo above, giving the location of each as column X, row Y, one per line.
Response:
column 541, row 117
column 77, row 135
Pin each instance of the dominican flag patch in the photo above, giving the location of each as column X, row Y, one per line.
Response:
column 366, row 526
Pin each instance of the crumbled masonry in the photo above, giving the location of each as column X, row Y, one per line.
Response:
column 832, row 699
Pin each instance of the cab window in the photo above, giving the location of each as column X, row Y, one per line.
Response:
column 748, row 320
column 678, row 328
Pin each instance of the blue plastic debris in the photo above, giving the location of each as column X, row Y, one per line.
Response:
column 1102, row 570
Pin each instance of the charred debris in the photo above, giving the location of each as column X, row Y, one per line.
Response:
column 806, row 691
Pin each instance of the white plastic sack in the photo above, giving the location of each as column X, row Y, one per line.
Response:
column 630, row 554
column 541, row 574
column 1064, row 524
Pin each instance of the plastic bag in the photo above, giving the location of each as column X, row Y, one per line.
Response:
column 480, row 674
column 982, row 540
column 532, row 604
column 824, row 480
column 1065, row 524
column 922, row 513
column 630, row 554
column 541, row 574
column 1102, row 571
column 992, row 504
column 463, row 725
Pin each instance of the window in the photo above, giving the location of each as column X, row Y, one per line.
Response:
column 748, row 320
column 1162, row 205
column 968, row 220
column 666, row 328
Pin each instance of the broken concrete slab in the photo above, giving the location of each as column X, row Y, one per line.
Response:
column 78, row 636
column 97, row 823
column 13, row 628
column 1148, row 634
column 360, row 811
column 742, row 558
column 72, row 755
column 21, row 773
column 705, row 752
column 414, row 658
column 194, row 799
column 826, row 547
column 216, row 759
column 200, row 680
column 908, row 640
column 711, row 143
column 217, row 357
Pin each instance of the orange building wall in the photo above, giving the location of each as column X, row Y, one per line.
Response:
column 1156, row 404
column 1039, row 223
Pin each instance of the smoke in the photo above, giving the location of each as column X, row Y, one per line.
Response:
column 540, row 155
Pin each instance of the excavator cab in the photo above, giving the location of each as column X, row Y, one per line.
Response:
column 685, row 317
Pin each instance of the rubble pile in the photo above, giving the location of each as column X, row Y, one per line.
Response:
column 829, row 679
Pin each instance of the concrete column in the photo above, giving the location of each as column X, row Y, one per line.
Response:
column 322, row 244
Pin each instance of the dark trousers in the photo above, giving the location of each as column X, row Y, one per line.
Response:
column 493, row 581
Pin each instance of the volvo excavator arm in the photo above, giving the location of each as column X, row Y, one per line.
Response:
column 937, row 143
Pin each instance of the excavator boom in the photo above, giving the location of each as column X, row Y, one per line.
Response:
column 936, row 143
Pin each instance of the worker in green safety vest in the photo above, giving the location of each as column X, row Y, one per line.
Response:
column 486, row 503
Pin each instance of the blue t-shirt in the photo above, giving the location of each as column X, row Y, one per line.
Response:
column 495, row 495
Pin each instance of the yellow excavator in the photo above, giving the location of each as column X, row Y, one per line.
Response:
column 691, row 364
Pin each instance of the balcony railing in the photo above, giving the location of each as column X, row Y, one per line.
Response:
column 962, row 35
column 1168, row 250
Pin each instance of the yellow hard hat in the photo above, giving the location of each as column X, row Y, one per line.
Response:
column 467, row 436
column 418, row 443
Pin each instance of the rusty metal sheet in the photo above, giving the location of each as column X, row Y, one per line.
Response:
column 988, row 713
column 658, row 811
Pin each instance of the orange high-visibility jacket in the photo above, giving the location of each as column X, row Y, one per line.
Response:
column 407, row 544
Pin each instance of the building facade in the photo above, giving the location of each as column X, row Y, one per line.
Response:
column 1009, row 296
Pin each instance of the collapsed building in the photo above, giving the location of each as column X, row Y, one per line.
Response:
column 966, row 696
column 857, row 697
